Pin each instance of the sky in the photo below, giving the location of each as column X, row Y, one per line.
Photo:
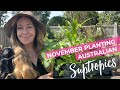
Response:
column 55, row 13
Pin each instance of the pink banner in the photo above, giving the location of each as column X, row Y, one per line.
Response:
column 84, row 47
column 98, row 52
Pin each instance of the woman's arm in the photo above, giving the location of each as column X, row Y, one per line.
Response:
column 46, row 76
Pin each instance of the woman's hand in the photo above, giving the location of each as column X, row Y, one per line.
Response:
column 46, row 76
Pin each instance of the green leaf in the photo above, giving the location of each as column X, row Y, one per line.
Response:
column 86, row 21
column 46, row 63
column 60, row 62
column 61, row 73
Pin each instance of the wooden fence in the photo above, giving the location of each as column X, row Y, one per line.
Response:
column 111, row 30
column 4, row 42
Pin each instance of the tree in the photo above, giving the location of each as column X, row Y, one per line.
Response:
column 3, row 16
column 82, row 16
column 56, row 20
column 42, row 16
column 14, row 12
column 109, row 17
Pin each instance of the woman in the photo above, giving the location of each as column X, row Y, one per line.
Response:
column 26, row 35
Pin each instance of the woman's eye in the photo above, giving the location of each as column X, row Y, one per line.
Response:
column 19, row 28
column 29, row 26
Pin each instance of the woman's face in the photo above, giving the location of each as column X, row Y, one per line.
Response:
column 25, row 31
